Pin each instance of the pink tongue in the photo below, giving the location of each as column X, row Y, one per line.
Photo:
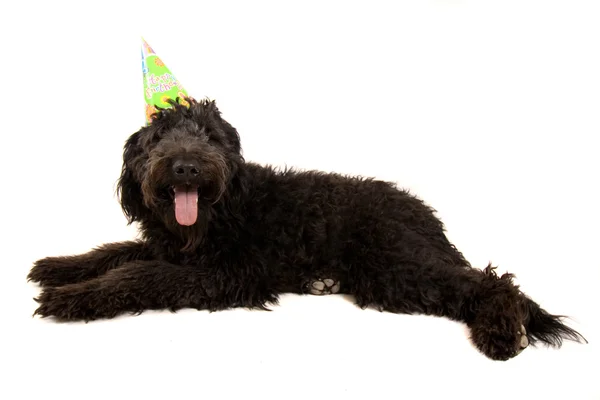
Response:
column 186, row 205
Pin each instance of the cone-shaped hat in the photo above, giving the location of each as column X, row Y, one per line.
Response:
column 160, row 84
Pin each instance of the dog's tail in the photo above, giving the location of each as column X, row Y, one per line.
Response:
column 543, row 327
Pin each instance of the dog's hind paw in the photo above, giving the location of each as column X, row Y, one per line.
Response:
column 498, row 343
column 524, row 342
column 320, row 287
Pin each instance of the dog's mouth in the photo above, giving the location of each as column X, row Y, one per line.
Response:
column 185, row 201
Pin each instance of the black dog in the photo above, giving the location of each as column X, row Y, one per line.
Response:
column 219, row 232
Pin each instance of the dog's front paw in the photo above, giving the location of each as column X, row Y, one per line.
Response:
column 67, row 303
column 56, row 271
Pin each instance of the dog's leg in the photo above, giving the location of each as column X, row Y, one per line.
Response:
column 498, row 314
column 58, row 271
column 145, row 285
column 498, row 306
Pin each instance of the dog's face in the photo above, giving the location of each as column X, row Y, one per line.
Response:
column 182, row 162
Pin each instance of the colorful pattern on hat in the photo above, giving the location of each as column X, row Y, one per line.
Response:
column 160, row 85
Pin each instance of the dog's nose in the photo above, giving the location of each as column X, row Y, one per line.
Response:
column 185, row 170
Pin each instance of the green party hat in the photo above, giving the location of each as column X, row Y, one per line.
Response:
column 160, row 84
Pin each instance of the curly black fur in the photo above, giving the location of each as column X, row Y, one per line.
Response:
column 260, row 232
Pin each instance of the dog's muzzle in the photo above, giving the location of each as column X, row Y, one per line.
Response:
column 186, row 179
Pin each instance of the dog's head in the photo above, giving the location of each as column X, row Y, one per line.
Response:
column 180, row 163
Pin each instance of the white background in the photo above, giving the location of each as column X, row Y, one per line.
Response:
column 487, row 110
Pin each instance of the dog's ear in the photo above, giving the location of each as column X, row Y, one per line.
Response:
column 230, row 132
column 232, row 136
column 128, row 188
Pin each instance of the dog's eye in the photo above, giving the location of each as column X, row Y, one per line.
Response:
column 213, row 139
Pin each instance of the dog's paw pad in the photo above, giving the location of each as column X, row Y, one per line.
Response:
column 498, row 341
column 523, row 342
column 320, row 287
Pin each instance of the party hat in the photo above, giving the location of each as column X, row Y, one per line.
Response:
column 160, row 84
